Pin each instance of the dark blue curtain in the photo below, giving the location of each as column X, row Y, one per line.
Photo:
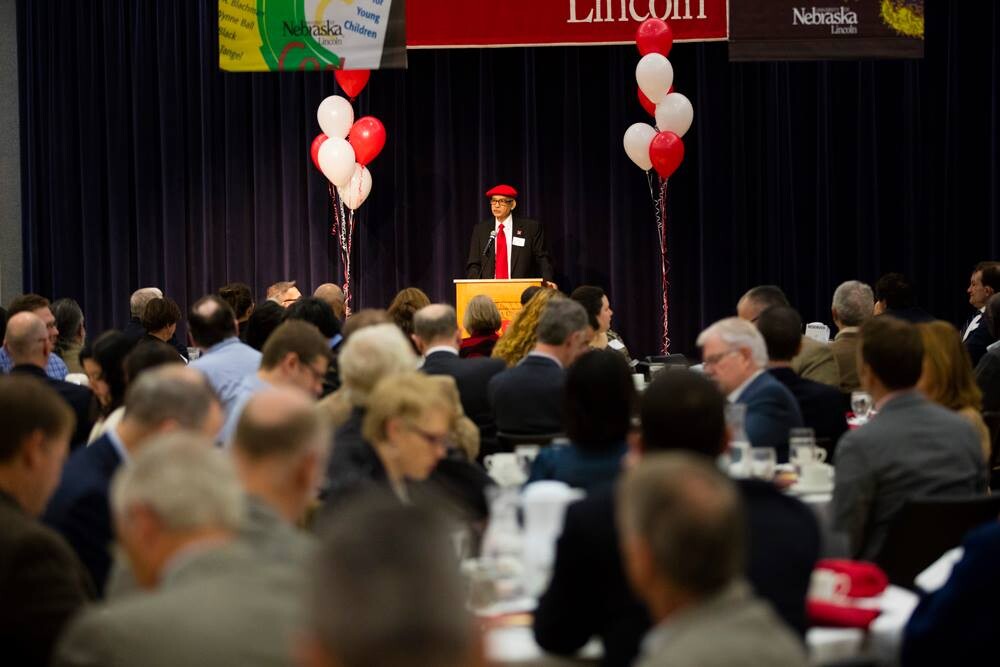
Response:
column 143, row 164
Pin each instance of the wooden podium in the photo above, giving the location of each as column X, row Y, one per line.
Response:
column 506, row 294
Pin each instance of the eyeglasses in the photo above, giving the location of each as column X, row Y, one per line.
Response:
column 507, row 202
column 318, row 375
column 430, row 438
column 714, row 359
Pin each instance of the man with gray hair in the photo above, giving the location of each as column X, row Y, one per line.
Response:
column 853, row 303
column 178, row 508
column 159, row 401
column 682, row 535
column 437, row 336
column 386, row 592
column 527, row 399
column 734, row 354
column 134, row 328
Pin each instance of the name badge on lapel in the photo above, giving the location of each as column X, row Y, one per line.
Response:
column 518, row 241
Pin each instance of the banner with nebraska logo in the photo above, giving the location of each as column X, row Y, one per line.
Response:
column 282, row 35
column 825, row 29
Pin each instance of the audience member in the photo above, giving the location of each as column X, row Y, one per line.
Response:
column 984, row 283
column 224, row 360
column 527, row 399
column 137, row 306
column 38, row 306
column 735, row 356
column 160, row 318
column 823, row 407
column 366, row 317
column 405, row 304
column 333, row 295
column 598, row 403
column 178, row 508
column 683, row 534
column 988, row 368
column 319, row 313
column 29, row 347
column 240, row 299
column 946, row 377
column 296, row 355
column 436, row 334
column 482, row 321
column 161, row 400
column 815, row 362
column 588, row 594
column 894, row 296
column 42, row 584
column 853, row 303
column 529, row 293
column 388, row 595
column 912, row 448
column 264, row 319
column 520, row 337
column 104, row 362
column 284, row 293
column 72, row 333
column 148, row 355
column 595, row 302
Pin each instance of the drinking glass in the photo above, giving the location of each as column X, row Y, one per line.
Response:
column 861, row 404
column 762, row 462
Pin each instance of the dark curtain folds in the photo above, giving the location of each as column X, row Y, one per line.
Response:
column 143, row 164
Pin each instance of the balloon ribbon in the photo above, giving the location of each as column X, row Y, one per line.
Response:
column 342, row 229
column 661, row 228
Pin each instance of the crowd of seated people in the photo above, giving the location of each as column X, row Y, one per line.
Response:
column 286, row 485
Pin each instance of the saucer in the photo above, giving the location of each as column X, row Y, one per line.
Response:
column 800, row 489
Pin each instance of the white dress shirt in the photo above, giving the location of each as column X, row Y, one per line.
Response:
column 508, row 231
column 974, row 324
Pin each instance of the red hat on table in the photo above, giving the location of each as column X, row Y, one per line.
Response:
column 502, row 191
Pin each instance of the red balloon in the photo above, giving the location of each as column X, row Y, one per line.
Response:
column 654, row 36
column 314, row 149
column 367, row 137
column 646, row 103
column 352, row 81
column 666, row 152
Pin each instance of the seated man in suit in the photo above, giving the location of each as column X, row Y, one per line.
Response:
column 30, row 348
column 385, row 591
column 42, row 584
column 988, row 368
column 735, row 356
column 39, row 306
column 160, row 400
column 178, row 507
column 894, row 296
column 502, row 248
column 137, row 305
column 823, row 407
column 527, row 399
column 815, row 362
column 682, row 532
column 912, row 448
column 853, row 303
column 436, row 333
column 589, row 596
column 984, row 283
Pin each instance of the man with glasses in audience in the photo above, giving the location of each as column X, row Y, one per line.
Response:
column 504, row 247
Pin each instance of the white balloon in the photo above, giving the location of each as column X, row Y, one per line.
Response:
column 336, row 116
column 674, row 114
column 655, row 75
column 336, row 160
column 356, row 192
column 637, row 140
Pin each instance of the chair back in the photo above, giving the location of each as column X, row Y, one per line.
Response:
column 925, row 529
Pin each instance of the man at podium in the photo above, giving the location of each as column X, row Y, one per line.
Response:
column 504, row 247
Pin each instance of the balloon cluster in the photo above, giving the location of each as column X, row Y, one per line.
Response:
column 346, row 146
column 658, row 147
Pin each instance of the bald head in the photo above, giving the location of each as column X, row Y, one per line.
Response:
column 211, row 321
column 334, row 296
column 279, row 422
column 436, row 324
column 27, row 340
column 141, row 297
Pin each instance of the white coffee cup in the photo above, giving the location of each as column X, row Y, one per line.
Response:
column 526, row 455
column 504, row 468
column 639, row 380
column 816, row 475
column 805, row 454
column 829, row 585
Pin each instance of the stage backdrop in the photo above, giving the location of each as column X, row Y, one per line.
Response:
column 143, row 164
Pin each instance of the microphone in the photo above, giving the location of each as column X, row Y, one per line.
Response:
column 493, row 236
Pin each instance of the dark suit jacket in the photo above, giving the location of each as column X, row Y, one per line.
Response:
column 988, row 378
column 41, row 585
column 771, row 412
column 912, row 449
column 914, row 314
column 823, row 407
column 531, row 260
column 957, row 624
column 79, row 508
column 472, row 377
column 979, row 339
column 80, row 400
column 528, row 397
column 589, row 593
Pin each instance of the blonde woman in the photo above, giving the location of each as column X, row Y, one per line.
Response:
column 947, row 377
column 520, row 337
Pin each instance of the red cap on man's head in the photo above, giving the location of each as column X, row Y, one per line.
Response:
column 502, row 191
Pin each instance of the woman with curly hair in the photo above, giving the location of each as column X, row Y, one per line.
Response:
column 404, row 306
column 520, row 337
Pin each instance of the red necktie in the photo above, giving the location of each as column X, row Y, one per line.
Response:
column 501, row 261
